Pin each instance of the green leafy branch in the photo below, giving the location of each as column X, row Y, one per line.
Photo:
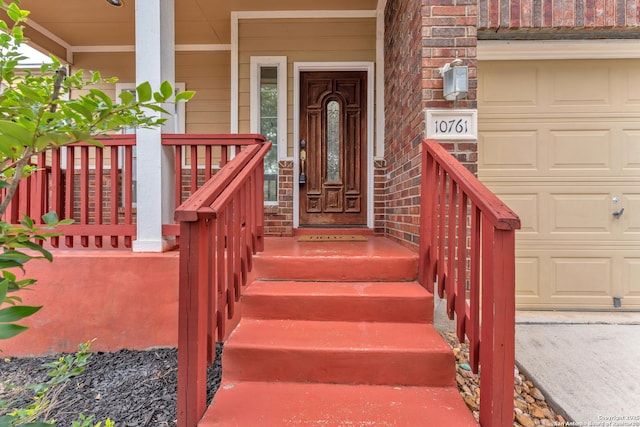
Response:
column 20, row 246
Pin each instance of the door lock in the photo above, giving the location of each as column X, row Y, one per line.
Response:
column 303, row 160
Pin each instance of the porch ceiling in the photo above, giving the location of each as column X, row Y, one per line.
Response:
column 96, row 23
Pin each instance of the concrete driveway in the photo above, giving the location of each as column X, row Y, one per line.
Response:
column 587, row 364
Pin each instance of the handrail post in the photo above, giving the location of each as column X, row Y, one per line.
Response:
column 497, row 350
column 423, row 249
column 192, row 323
column 213, row 260
column 259, row 213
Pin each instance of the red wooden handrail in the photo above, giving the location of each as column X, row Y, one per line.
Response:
column 82, row 188
column 94, row 185
column 467, row 247
column 221, row 227
column 208, row 153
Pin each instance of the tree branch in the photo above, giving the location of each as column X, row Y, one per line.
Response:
column 61, row 73
column 17, row 177
column 19, row 165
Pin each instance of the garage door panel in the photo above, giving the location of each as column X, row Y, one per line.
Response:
column 580, row 150
column 583, row 214
column 631, row 279
column 581, row 276
column 508, row 150
column 591, row 89
column 597, row 148
column 526, row 206
column 558, row 276
column 529, row 206
column 527, row 277
column 554, row 86
column 632, row 86
column 631, row 150
column 571, row 211
column 630, row 218
column 494, row 84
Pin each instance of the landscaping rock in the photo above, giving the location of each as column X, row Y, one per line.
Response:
column 530, row 406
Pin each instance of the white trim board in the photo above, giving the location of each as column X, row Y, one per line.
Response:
column 235, row 102
column 510, row 50
column 332, row 66
column 280, row 62
column 305, row 14
column 380, row 118
column 132, row 48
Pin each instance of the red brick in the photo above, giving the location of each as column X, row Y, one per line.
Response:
column 448, row 11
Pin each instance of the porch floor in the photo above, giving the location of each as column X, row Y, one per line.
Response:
column 377, row 258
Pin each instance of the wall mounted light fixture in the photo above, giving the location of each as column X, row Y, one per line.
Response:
column 116, row 3
column 455, row 78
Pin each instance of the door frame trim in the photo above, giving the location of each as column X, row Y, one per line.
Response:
column 299, row 67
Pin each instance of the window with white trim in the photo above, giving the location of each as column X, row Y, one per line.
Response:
column 269, row 115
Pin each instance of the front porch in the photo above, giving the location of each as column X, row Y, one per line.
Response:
column 324, row 305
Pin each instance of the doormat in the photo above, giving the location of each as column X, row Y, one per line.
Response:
column 332, row 238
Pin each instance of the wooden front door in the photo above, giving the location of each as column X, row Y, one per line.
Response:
column 333, row 148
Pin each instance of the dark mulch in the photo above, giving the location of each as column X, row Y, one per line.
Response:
column 132, row 388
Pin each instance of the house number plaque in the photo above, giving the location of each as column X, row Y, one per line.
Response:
column 452, row 124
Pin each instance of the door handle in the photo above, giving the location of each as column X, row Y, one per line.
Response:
column 618, row 214
column 303, row 162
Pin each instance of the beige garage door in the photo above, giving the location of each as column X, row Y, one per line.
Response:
column 560, row 143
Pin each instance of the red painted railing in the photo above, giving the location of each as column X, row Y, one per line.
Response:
column 95, row 185
column 467, row 248
column 210, row 152
column 90, row 184
column 221, row 227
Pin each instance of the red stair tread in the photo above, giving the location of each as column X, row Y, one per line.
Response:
column 250, row 404
column 374, row 247
column 342, row 301
column 376, row 259
column 375, row 289
column 352, row 336
column 409, row 354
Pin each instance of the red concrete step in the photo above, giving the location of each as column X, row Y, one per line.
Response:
column 338, row 301
column 250, row 404
column 338, row 352
column 377, row 259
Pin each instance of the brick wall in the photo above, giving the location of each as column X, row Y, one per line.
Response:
column 403, row 115
column 379, row 196
column 412, row 84
column 108, row 194
column 278, row 220
column 558, row 14
column 450, row 31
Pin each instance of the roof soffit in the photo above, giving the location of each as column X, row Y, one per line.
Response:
column 96, row 23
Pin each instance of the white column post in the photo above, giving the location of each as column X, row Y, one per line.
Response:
column 155, row 63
